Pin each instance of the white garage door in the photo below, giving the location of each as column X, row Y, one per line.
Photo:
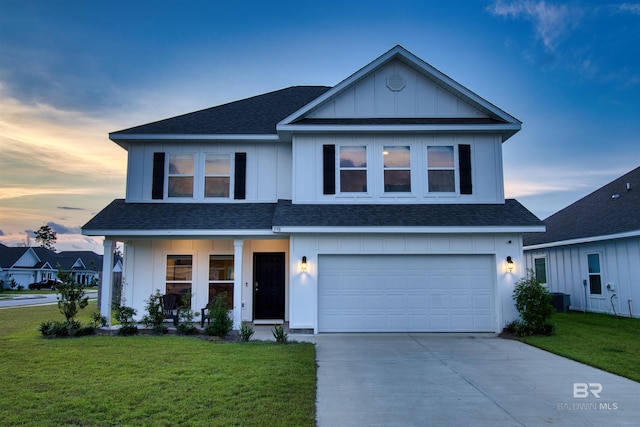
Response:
column 398, row 293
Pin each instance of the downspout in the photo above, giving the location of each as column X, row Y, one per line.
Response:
column 584, row 282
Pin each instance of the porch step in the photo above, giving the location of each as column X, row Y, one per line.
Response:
column 269, row 322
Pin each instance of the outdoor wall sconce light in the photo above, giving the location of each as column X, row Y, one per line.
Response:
column 303, row 264
column 510, row 264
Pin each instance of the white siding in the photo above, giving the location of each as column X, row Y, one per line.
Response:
column 268, row 175
column 145, row 268
column 486, row 158
column 620, row 267
column 421, row 97
column 303, row 292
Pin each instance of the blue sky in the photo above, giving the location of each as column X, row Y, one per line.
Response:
column 73, row 71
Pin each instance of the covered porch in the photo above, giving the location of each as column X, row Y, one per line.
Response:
column 253, row 271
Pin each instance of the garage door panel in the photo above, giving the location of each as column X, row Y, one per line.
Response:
column 370, row 293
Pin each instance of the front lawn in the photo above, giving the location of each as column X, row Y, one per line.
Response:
column 600, row 340
column 148, row 380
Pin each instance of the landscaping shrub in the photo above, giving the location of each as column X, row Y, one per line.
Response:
column 186, row 316
column 71, row 295
column 124, row 315
column 221, row 324
column 533, row 302
column 154, row 318
column 246, row 332
column 279, row 334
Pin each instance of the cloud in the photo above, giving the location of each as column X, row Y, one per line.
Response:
column 551, row 22
column 69, row 208
column 1, row 233
column 63, row 229
column 633, row 8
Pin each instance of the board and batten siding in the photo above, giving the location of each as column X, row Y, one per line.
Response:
column 620, row 267
column 303, row 292
column 420, row 97
column 486, row 168
column 268, row 169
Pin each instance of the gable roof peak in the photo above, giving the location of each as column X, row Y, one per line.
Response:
column 509, row 124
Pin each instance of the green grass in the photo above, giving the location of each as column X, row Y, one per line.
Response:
column 599, row 340
column 148, row 380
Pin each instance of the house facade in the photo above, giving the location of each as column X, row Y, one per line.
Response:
column 374, row 205
column 25, row 265
column 591, row 249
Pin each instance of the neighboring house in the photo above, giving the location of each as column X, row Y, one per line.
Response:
column 591, row 249
column 374, row 205
column 26, row 265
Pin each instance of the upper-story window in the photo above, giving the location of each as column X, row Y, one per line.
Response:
column 217, row 175
column 441, row 174
column 181, row 173
column 199, row 176
column 353, row 169
column 397, row 169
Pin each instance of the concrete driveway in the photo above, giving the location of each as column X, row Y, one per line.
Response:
column 462, row 380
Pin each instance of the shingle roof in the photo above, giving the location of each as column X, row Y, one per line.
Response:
column 121, row 216
column 601, row 213
column 10, row 255
column 257, row 115
column 509, row 214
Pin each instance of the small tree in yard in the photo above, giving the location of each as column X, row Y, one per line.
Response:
column 71, row 299
column 533, row 302
column 221, row 323
column 155, row 317
column 71, row 295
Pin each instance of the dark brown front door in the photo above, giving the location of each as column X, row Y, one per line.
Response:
column 268, row 285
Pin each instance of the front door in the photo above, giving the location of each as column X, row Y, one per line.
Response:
column 268, row 285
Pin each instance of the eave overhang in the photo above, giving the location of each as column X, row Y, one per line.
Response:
column 578, row 241
column 506, row 130
column 123, row 140
column 408, row 230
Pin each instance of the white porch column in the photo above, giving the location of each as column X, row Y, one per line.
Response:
column 106, row 284
column 237, row 283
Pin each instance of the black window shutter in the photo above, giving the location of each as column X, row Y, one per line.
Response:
column 240, row 177
column 157, row 186
column 329, row 169
column 464, row 160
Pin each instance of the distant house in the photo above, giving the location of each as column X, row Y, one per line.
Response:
column 26, row 265
column 376, row 205
column 591, row 249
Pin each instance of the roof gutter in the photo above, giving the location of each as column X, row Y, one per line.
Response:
column 410, row 230
column 635, row 233
column 506, row 129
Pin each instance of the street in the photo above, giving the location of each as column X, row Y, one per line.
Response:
column 28, row 299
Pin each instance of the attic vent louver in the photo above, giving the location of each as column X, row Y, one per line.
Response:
column 395, row 83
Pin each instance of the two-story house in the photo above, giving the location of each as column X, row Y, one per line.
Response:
column 374, row 205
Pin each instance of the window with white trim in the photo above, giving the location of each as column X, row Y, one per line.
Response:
column 441, row 172
column 595, row 276
column 540, row 269
column 181, row 173
column 397, row 169
column 179, row 275
column 221, row 277
column 217, row 175
column 353, row 169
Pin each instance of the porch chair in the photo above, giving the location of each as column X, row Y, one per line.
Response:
column 170, row 307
